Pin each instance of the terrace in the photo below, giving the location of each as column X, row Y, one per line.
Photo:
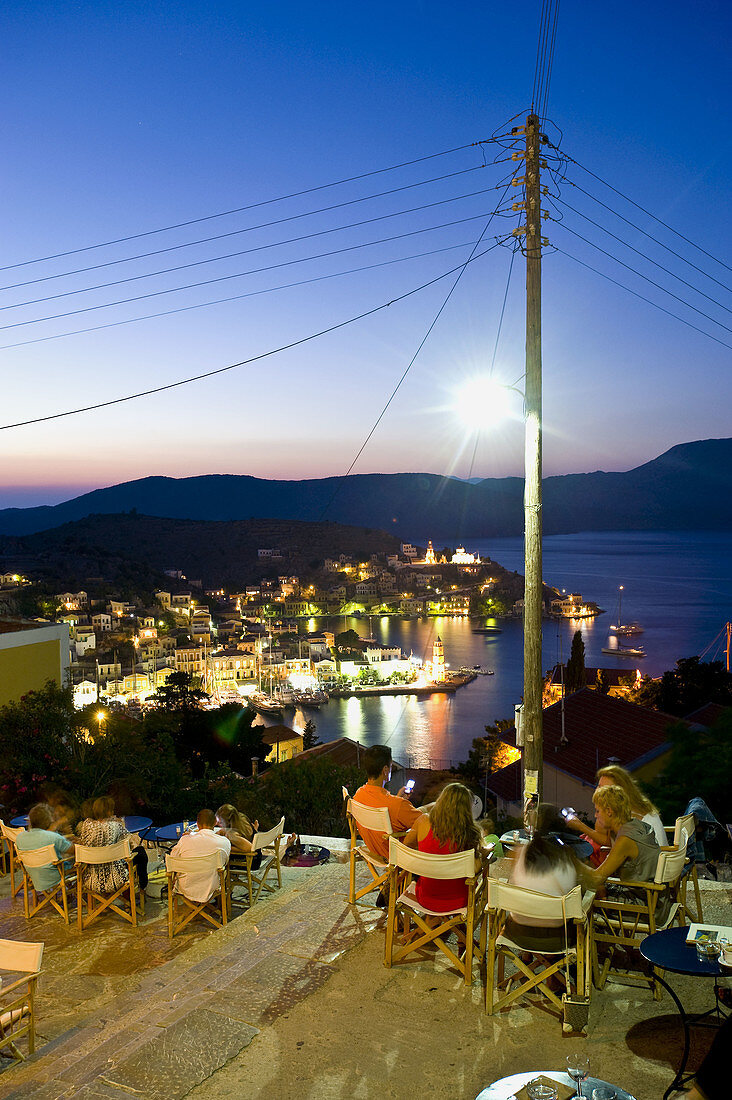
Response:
column 292, row 999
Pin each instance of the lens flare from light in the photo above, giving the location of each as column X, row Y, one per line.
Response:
column 481, row 402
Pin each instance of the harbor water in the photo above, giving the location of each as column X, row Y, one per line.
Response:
column 678, row 586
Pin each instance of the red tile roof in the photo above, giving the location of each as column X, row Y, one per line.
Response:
column 597, row 728
column 706, row 715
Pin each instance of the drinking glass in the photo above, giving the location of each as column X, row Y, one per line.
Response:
column 578, row 1068
column 540, row 1090
column 604, row 1093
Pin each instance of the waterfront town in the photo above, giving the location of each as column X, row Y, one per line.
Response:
column 262, row 644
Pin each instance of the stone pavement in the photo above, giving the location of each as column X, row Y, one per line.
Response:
column 292, row 1000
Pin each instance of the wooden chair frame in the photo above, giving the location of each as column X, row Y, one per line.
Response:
column 9, row 835
column 181, row 909
column 98, row 902
column 268, row 844
column 17, row 1000
column 620, row 925
column 572, row 908
column 683, row 830
column 378, row 821
column 36, row 900
column 402, row 939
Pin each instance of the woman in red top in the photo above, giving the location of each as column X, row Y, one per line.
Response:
column 448, row 828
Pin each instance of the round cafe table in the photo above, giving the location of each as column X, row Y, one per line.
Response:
column 507, row 1087
column 668, row 950
column 133, row 824
column 169, row 834
column 581, row 848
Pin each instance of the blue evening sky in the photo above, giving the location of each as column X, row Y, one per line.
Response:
column 121, row 119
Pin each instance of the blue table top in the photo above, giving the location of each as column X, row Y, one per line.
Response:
column 670, row 951
column 174, row 831
column 132, row 824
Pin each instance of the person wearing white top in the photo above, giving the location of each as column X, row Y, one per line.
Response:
column 201, row 885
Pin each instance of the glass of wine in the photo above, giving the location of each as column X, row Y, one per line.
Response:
column 578, row 1068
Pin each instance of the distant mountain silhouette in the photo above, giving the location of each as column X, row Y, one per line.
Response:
column 686, row 488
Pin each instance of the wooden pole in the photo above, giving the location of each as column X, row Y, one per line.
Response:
column 532, row 718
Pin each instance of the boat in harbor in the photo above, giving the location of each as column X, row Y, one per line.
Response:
column 264, row 704
column 487, row 630
column 625, row 630
column 625, row 651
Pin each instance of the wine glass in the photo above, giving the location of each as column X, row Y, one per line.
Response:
column 578, row 1068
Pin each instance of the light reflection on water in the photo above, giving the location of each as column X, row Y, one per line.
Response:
column 678, row 586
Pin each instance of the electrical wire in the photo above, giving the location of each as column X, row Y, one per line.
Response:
column 460, row 273
column 243, row 252
column 245, row 362
column 655, row 217
column 250, row 206
column 194, row 286
column 234, row 233
column 647, row 278
column 236, row 297
column 650, row 236
column 642, row 297
column 645, row 257
column 514, row 250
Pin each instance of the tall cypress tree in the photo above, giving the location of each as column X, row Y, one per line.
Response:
column 576, row 676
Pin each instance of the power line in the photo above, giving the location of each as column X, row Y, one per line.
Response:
column 644, row 256
column 642, row 297
column 642, row 276
column 647, row 234
column 244, row 362
column 514, row 250
column 250, row 206
column 236, row 297
column 236, row 233
column 243, row 252
column 648, row 213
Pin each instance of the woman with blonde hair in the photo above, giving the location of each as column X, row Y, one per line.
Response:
column 448, row 827
column 635, row 851
column 239, row 830
column 641, row 807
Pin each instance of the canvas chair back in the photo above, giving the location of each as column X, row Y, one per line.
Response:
column 34, row 900
column 106, row 854
column 433, row 927
column 266, row 840
column 670, row 865
column 572, row 908
column 684, row 828
column 17, row 1016
column 378, row 821
column 10, row 835
column 454, row 865
column 532, row 904
column 98, row 902
column 684, row 832
column 181, row 909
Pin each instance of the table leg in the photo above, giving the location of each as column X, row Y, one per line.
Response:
column 679, row 1078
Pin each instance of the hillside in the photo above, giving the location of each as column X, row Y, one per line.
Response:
column 688, row 487
column 133, row 550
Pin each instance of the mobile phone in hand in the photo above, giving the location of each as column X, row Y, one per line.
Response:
column 409, row 786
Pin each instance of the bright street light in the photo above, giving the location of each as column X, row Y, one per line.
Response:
column 483, row 401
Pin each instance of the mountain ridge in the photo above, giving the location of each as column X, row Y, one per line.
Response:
column 685, row 488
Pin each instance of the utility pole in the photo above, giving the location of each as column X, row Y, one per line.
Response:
column 533, row 590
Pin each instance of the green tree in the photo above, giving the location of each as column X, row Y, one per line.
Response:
column 36, row 737
column 700, row 764
column 687, row 687
column 309, row 737
column 576, row 675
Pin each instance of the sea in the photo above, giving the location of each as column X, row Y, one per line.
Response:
column 678, row 586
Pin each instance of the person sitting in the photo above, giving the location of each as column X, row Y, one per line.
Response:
column 547, row 866
column 239, row 831
column 402, row 814
column 201, row 885
column 635, row 850
column 641, row 807
column 98, row 831
column 65, row 811
column 449, row 827
column 39, row 834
